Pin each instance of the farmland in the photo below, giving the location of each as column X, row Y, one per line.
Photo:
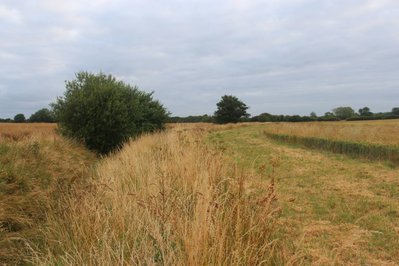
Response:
column 200, row 194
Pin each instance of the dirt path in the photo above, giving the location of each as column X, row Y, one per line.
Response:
column 336, row 210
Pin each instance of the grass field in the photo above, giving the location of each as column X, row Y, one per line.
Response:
column 368, row 140
column 36, row 168
column 23, row 131
column 197, row 194
column 338, row 210
column 382, row 132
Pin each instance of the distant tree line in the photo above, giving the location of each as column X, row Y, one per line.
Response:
column 337, row 114
column 191, row 119
column 43, row 115
column 232, row 110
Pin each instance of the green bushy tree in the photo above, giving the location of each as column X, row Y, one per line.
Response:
column 19, row 118
column 344, row 112
column 365, row 111
column 230, row 110
column 104, row 112
column 42, row 115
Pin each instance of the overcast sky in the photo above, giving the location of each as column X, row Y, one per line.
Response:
column 278, row 56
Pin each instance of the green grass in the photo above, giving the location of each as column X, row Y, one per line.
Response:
column 337, row 209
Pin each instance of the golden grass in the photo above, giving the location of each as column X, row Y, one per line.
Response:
column 36, row 167
column 383, row 132
column 166, row 199
column 169, row 199
column 20, row 131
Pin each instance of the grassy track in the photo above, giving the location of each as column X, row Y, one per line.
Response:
column 336, row 210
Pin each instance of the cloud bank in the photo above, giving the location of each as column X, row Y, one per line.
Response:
column 278, row 56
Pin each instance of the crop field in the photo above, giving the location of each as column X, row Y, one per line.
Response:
column 200, row 194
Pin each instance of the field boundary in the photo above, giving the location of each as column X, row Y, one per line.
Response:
column 368, row 151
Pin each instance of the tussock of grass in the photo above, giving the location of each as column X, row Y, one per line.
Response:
column 361, row 150
column 165, row 199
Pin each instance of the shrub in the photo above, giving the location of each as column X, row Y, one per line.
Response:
column 43, row 115
column 104, row 112
column 19, row 118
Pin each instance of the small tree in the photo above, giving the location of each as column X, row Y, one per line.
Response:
column 43, row 115
column 344, row 112
column 19, row 118
column 395, row 111
column 104, row 112
column 230, row 110
column 313, row 115
column 365, row 111
column 263, row 117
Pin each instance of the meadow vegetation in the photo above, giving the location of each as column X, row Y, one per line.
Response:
column 383, row 132
column 373, row 141
column 167, row 199
column 336, row 209
column 36, row 168
column 196, row 194
column 137, row 206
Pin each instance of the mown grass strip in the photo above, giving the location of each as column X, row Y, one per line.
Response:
column 355, row 149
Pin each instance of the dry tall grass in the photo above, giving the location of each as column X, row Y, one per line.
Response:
column 20, row 131
column 165, row 199
column 384, row 132
column 36, row 167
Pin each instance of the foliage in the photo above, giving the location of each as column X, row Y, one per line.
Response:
column 344, row 112
column 104, row 112
column 191, row 119
column 266, row 117
column 395, row 111
column 19, row 118
column 42, row 115
column 365, row 111
column 230, row 110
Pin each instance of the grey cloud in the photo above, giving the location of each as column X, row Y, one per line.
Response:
column 279, row 56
